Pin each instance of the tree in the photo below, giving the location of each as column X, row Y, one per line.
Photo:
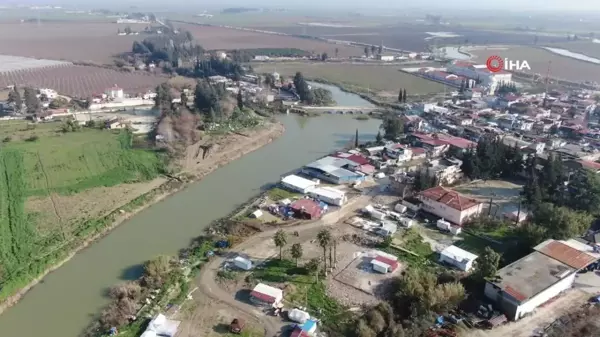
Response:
column 324, row 238
column 487, row 264
column 59, row 102
column 240, row 99
column 336, row 52
column 380, row 50
column 324, row 57
column 270, row 80
column 14, row 98
column 379, row 138
column 302, row 88
column 156, row 271
column 366, row 51
column 356, row 139
column 400, row 96
column 128, row 30
column 313, row 267
column 32, row 102
column 184, row 99
column 189, row 36
column 561, row 223
column 392, row 126
column 373, row 50
column 164, row 100
column 297, row 252
column 404, row 96
column 280, row 240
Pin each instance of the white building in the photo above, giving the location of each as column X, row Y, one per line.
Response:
column 449, row 205
column 386, row 58
column 526, row 284
column 329, row 195
column 242, row 263
column 263, row 294
column 114, row 92
column 458, row 257
column 479, row 71
column 298, row 184
column 50, row 93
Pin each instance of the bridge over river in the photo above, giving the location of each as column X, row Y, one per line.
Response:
column 338, row 109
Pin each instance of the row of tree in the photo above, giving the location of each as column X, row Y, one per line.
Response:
column 402, row 96
column 30, row 99
column 311, row 96
column 492, row 158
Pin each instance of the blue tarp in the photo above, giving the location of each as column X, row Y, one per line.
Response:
column 309, row 326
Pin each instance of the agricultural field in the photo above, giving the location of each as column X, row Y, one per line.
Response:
column 560, row 67
column 95, row 42
column 227, row 38
column 81, row 81
column 40, row 166
column 373, row 77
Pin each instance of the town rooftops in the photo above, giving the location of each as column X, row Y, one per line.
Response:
column 449, row 198
column 530, row 275
column 307, row 206
column 358, row 159
column 333, row 166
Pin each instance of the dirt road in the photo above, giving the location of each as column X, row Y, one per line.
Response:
column 208, row 286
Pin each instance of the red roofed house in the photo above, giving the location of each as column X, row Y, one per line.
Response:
column 263, row 294
column 587, row 164
column 450, row 205
column 306, row 209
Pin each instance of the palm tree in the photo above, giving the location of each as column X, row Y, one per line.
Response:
column 297, row 252
column 280, row 240
column 324, row 238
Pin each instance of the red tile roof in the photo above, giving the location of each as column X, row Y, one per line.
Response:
column 417, row 150
column 457, row 141
column 360, row 160
column 567, row 255
column 307, row 206
column 592, row 165
column 515, row 293
column 450, row 198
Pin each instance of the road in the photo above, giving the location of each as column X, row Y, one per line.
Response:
column 208, row 286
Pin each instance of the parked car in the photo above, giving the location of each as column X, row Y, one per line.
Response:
column 237, row 325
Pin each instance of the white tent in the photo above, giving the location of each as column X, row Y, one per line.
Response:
column 257, row 214
column 298, row 316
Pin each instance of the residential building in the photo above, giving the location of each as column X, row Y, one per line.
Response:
column 384, row 263
column 526, row 284
column 447, row 171
column 457, row 257
column 114, row 92
column 306, row 209
column 386, row 58
column 329, row 195
column 450, row 205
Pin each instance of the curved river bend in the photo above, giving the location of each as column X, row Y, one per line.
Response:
column 64, row 303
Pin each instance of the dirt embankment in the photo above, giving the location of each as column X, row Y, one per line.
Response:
column 222, row 151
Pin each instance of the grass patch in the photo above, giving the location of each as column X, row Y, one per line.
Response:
column 474, row 244
column 412, row 240
column 277, row 194
column 374, row 77
column 64, row 163
column 278, row 271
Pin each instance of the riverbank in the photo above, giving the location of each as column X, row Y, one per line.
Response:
column 225, row 149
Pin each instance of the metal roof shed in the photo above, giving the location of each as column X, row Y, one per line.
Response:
column 458, row 257
column 298, row 184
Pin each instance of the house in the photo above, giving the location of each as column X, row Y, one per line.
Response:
column 449, row 205
column 298, row 184
column 263, row 294
column 384, row 263
column 447, row 170
column 161, row 326
column 306, row 209
column 334, row 170
column 458, row 257
column 114, row 123
column 528, row 283
column 114, row 92
column 329, row 195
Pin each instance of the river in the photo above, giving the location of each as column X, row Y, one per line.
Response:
column 65, row 302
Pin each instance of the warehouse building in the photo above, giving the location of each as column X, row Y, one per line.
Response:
column 526, row 284
column 298, row 184
column 329, row 195
column 334, row 170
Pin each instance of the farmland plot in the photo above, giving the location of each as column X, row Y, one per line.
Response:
column 81, row 81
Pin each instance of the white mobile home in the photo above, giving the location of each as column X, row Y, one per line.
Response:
column 458, row 257
column 242, row 263
column 298, row 184
column 329, row 195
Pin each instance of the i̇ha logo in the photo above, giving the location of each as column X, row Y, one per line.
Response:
column 496, row 64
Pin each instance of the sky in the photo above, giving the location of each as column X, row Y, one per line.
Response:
column 345, row 5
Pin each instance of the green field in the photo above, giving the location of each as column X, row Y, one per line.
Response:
column 62, row 163
column 386, row 78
